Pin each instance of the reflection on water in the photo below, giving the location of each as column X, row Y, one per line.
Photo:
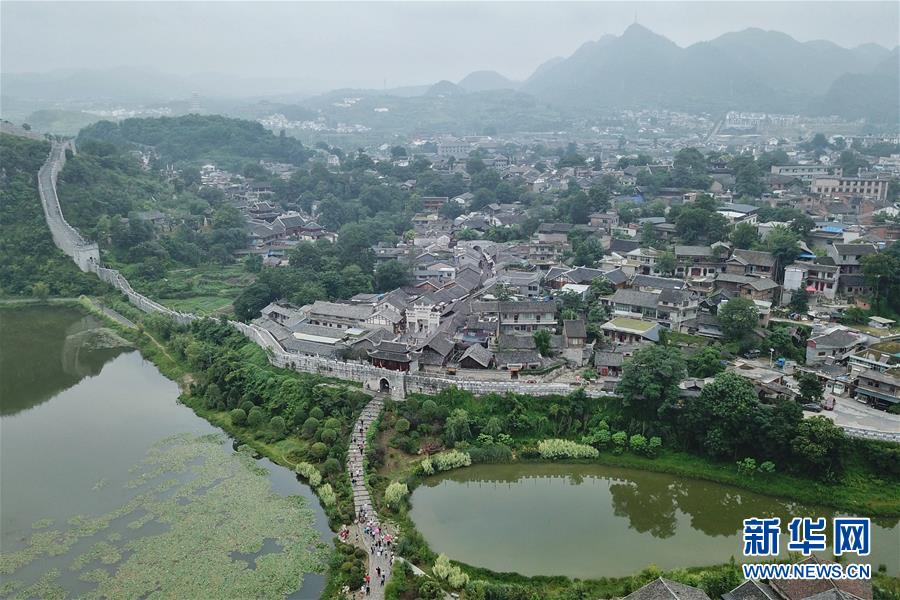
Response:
column 75, row 419
column 45, row 351
column 592, row 521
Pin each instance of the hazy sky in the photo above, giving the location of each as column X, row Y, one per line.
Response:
column 332, row 44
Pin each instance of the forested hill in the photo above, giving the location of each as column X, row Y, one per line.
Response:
column 197, row 139
column 29, row 262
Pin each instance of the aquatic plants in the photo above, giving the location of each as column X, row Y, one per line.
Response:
column 218, row 511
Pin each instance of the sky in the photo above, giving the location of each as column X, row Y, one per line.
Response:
column 325, row 45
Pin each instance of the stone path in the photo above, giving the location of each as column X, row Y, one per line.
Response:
column 362, row 502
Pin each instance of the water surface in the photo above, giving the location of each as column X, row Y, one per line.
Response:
column 74, row 422
column 590, row 521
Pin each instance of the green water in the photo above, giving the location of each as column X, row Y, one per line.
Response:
column 590, row 521
column 76, row 422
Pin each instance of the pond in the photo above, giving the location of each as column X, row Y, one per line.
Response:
column 110, row 487
column 590, row 521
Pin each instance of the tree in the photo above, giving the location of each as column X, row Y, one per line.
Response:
column 40, row 290
column 744, row 236
column 238, row 417
column 799, row 301
column 811, row 388
column 318, row 450
column 882, row 270
column 649, row 382
column 720, row 421
column 818, row 444
column 784, row 246
column 395, row 493
column 706, row 363
column 747, row 177
column 738, row 318
column 390, row 275
column 457, row 427
column 665, row 264
column 253, row 299
column 542, row 341
column 278, row 425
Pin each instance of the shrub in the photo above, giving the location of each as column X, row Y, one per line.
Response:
column 310, row 426
column 598, row 437
column 317, row 413
column 318, row 450
column 329, row 436
column 426, row 467
column 395, row 493
column 451, row 459
column 452, row 574
column 247, row 406
column 556, row 448
column 326, row 494
column 619, row 439
column 332, row 423
column 256, row 417
column 638, row 444
column 747, row 466
column 331, row 467
column 402, row 425
column 277, row 425
column 495, row 453
column 654, row 446
column 767, row 467
column 238, row 417
column 309, row 472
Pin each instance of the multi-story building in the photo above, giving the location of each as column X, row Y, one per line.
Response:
column 881, row 390
column 871, row 186
column 668, row 307
column 806, row 172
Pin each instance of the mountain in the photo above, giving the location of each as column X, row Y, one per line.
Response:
column 445, row 88
column 745, row 70
column 879, row 101
column 483, row 81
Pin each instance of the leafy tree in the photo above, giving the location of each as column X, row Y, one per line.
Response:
column 818, row 444
column 542, row 341
column 40, row 290
column 799, row 301
column 318, row 451
column 811, row 389
column 738, row 318
column 649, row 382
column 390, row 275
column 784, row 246
column 744, row 236
column 253, row 299
column 666, row 263
column 707, row 362
column 238, row 417
column 720, row 422
column 457, row 427
column 278, row 425
column 882, row 270
column 256, row 417
column 747, row 177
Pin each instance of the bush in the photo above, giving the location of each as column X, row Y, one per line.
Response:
column 619, row 439
column 277, row 425
column 495, row 453
column 238, row 417
column 318, row 450
column 326, row 494
column 426, row 468
column 452, row 574
column 638, row 444
column 331, row 467
column 402, row 425
column 767, row 467
column 310, row 426
column 329, row 436
column 309, row 472
column 395, row 493
column 451, row 459
column 256, row 417
column 317, row 413
column 654, row 446
column 747, row 466
column 555, row 448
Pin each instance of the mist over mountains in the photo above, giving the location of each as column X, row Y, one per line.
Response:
column 753, row 70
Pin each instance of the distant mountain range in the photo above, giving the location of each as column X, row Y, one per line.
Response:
column 751, row 70
column 746, row 70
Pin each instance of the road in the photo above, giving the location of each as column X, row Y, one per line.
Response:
column 850, row 413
